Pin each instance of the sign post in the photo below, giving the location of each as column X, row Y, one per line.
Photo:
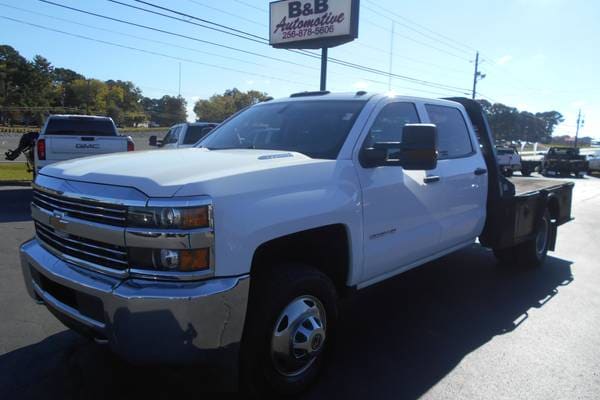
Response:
column 313, row 24
column 323, row 69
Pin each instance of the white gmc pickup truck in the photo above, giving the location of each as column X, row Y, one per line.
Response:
column 234, row 253
column 65, row 137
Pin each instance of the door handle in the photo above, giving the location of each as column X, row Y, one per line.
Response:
column 480, row 171
column 431, row 179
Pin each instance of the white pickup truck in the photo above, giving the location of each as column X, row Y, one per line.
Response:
column 234, row 253
column 181, row 136
column 64, row 137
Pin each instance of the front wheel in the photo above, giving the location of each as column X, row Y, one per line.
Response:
column 291, row 317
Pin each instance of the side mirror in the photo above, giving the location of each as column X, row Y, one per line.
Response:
column 152, row 141
column 419, row 147
column 417, row 151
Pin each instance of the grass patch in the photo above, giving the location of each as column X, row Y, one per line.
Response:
column 14, row 172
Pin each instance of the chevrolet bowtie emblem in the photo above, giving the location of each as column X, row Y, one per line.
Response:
column 57, row 221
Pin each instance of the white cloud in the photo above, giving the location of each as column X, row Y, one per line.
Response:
column 504, row 60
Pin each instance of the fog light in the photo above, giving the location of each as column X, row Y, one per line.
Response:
column 169, row 259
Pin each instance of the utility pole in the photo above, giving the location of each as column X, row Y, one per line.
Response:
column 578, row 125
column 391, row 56
column 477, row 76
column 179, row 79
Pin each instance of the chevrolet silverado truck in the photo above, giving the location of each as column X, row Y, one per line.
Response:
column 233, row 254
column 65, row 137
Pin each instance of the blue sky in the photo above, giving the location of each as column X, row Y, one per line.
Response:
column 538, row 55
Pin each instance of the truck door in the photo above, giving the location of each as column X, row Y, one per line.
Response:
column 462, row 185
column 400, row 227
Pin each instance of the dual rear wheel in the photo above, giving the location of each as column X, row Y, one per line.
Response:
column 531, row 253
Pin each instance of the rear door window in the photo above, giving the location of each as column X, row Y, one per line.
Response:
column 80, row 127
column 454, row 140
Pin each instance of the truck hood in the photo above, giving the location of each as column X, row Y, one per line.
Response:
column 162, row 173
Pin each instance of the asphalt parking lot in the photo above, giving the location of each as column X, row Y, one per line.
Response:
column 460, row 327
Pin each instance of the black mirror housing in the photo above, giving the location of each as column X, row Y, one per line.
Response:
column 419, row 147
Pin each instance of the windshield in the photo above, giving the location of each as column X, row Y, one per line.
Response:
column 317, row 129
column 80, row 127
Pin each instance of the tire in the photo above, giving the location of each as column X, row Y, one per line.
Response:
column 531, row 253
column 525, row 172
column 275, row 294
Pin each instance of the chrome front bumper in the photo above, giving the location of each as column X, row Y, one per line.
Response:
column 142, row 321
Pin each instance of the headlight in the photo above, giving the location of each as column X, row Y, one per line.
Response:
column 168, row 217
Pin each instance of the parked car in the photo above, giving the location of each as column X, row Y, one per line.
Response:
column 65, row 137
column 508, row 160
column 593, row 160
column 564, row 161
column 234, row 253
column 183, row 135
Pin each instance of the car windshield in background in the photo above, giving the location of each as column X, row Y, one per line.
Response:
column 195, row 133
column 80, row 126
column 317, row 129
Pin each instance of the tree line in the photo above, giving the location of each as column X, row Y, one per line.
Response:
column 508, row 123
column 32, row 89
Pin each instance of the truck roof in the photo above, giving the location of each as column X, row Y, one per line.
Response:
column 76, row 116
column 358, row 96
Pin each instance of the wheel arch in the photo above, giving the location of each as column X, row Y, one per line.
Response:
column 326, row 248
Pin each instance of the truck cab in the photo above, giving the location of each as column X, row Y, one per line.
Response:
column 233, row 253
column 184, row 135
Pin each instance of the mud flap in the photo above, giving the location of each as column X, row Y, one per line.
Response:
column 553, row 234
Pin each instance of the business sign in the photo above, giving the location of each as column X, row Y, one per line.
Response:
column 312, row 24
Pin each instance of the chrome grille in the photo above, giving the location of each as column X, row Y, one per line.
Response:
column 98, row 253
column 87, row 210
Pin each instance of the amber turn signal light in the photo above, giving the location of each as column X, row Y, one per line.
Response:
column 194, row 260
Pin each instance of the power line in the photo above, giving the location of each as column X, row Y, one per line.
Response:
column 151, row 52
column 133, row 36
column 408, row 37
column 227, row 13
column 122, row 21
column 441, row 36
column 306, row 53
column 193, row 17
column 251, row 6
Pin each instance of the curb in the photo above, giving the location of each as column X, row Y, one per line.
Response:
column 15, row 183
